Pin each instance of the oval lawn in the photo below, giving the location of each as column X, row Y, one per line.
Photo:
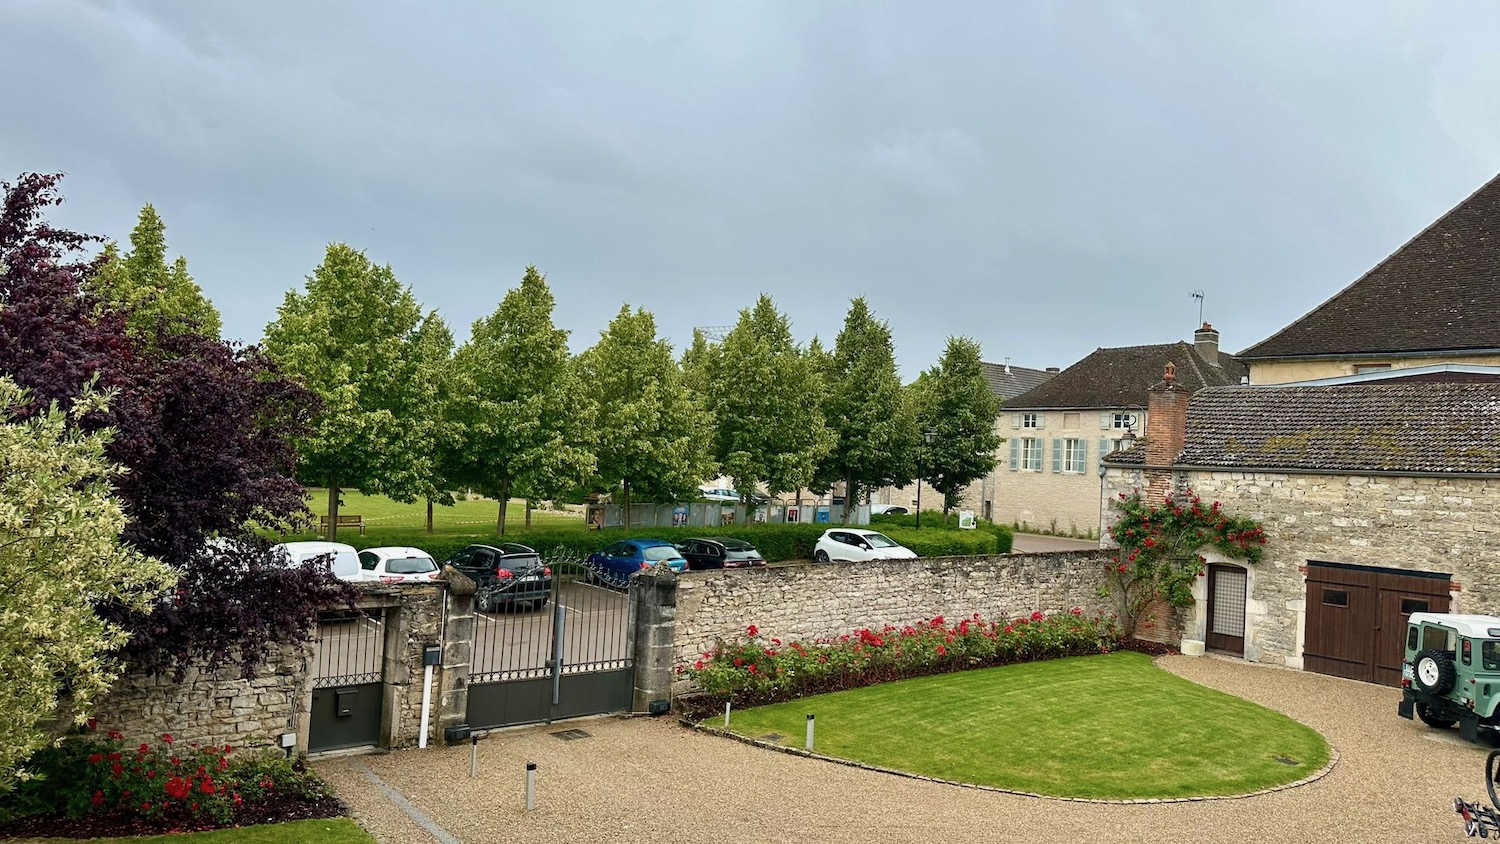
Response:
column 1113, row 726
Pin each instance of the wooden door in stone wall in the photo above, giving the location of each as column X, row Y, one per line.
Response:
column 1226, row 610
column 1356, row 617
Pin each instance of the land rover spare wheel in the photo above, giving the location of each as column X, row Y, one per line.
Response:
column 1433, row 672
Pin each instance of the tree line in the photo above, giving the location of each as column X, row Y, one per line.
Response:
column 511, row 413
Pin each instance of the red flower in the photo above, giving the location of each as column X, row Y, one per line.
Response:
column 238, row 800
column 98, row 798
column 1037, row 616
column 93, row 723
column 166, row 737
column 193, row 807
column 752, row 631
column 942, row 651
column 116, row 769
column 750, row 668
column 698, row 666
column 208, row 785
column 146, row 806
column 96, row 758
column 113, row 757
column 1149, row 543
column 937, row 621
column 116, row 735
column 143, row 749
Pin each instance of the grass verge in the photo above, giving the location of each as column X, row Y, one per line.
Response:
column 324, row 831
column 1104, row 727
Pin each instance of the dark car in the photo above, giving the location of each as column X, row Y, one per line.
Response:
column 616, row 563
column 719, row 552
column 505, row 575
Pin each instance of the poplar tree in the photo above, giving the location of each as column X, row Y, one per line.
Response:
column 521, row 414
column 867, row 409
column 150, row 292
column 955, row 401
column 352, row 338
column 765, row 398
column 653, row 436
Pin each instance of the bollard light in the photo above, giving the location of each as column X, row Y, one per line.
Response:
column 530, row 786
column 473, row 757
column 809, row 732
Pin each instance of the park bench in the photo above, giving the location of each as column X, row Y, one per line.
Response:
column 344, row 522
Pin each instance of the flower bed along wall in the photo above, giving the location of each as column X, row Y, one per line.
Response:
column 761, row 669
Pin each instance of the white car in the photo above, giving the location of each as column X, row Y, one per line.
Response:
column 343, row 559
column 398, row 565
column 889, row 510
column 858, row 545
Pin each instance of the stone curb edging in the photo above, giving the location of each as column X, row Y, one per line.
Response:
column 1333, row 759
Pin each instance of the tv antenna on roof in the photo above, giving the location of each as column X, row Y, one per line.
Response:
column 1198, row 294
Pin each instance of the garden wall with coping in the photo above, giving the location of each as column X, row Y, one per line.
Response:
column 220, row 707
column 808, row 601
column 211, row 708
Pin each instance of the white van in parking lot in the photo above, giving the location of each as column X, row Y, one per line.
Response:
column 344, row 560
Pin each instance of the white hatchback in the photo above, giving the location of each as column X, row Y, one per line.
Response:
column 398, row 565
column 342, row 560
column 858, row 545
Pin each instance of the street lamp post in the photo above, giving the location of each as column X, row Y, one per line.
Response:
column 928, row 437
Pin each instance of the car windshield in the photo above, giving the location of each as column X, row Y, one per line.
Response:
column 660, row 552
column 410, row 565
column 1490, row 653
column 879, row 540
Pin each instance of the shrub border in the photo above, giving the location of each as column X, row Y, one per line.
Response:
column 1333, row 760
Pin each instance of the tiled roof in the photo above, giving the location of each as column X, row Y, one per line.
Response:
column 1122, row 377
column 1423, row 427
column 1441, row 291
column 1007, row 381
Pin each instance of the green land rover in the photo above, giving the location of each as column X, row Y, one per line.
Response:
column 1451, row 673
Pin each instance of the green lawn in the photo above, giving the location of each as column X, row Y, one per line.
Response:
column 1110, row 726
column 331, row 831
column 463, row 518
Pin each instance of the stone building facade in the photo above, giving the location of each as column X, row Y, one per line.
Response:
column 1382, row 479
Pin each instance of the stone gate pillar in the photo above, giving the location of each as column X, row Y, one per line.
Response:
column 653, row 597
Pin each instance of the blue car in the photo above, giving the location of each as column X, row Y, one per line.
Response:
column 628, row 556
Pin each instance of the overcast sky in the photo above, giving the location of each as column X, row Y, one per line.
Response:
column 1047, row 178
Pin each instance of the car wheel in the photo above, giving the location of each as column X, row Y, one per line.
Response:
column 485, row 601
column 820, row 555
column 1433, row 719
column 1433, row 672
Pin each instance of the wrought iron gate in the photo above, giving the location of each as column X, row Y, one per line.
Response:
column 348, row 687
column 531, row 665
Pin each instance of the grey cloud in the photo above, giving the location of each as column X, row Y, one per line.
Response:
column 1045, row 177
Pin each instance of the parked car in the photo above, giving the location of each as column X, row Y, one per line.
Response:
column 505, row 575
column 725, row 495
column 1451, row 673
column 858, row 545
column 889, row 510
column 617, row 562
column 719, row 552
column 399, row 565
column 342, row 559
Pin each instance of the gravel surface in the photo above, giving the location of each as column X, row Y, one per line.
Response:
column 649, row 779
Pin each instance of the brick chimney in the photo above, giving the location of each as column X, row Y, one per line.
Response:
column 1166, row 432
column 1206, row 341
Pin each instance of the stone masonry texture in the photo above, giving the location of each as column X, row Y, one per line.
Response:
column 813, row 600
column 1432, row 524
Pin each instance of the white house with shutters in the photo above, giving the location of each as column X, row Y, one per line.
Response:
column 1048, row 476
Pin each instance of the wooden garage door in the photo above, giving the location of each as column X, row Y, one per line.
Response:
column 1356, row 617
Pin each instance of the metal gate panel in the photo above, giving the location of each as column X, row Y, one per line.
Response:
column 348, row 682
column 568, row 656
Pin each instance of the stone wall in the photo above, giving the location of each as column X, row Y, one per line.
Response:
column 1436, row 524
column 210, row 708
column 221, row 708
column 812, row 600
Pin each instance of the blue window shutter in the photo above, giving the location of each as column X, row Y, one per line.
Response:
column 1103, row 449
column 1056, row 456
column 1015, row 453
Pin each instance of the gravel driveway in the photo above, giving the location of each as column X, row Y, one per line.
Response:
column 651, row 780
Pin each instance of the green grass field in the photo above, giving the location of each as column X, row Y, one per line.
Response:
column 1103, row 727
column 331, row 831
column 463, row 518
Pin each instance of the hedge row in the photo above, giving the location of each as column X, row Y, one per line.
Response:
column 776, row 543
column 1004, row 534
